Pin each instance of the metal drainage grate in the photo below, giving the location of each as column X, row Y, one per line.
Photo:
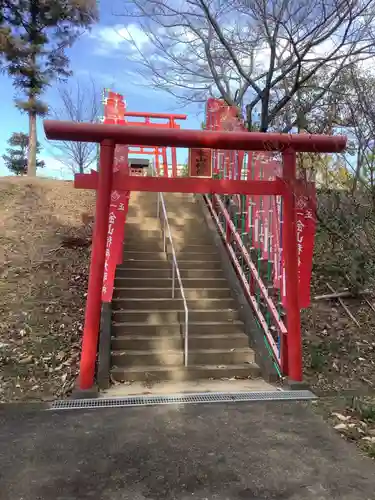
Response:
column 205, row 397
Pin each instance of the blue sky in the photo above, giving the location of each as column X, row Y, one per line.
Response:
column 105, row 56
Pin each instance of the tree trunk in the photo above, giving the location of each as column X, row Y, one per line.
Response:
column 31, row 161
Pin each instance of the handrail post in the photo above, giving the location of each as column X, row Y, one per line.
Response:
column 173, row 278
column 186, row 345
column 292, row 351
column 164, row 238
column 94, row 292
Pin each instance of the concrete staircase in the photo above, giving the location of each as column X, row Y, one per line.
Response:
column 147, row 324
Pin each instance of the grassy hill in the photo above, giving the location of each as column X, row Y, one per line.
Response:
column 44, row 257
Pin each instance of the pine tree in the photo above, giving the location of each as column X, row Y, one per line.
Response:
column 34, row 36
column 17, row 155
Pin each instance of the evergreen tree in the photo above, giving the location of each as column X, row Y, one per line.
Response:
column 34, row 36
column 17, row 155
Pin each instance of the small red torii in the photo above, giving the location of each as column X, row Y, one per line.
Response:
column 115, row 112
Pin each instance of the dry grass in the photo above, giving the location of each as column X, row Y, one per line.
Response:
column 42, row 287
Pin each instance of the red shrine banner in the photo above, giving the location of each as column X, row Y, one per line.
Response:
column 114, row 111
column 115, row 237
column 305, row 226
column 121, row 163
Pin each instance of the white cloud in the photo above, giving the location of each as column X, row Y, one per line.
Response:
column 104, row 79
column 113, row 38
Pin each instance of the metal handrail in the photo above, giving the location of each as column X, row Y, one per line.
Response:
column 175, row 268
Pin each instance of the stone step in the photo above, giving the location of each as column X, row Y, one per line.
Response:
column 145, row 264
column 142, row 221
column 153, row 236
column 134, row 230
column 169, row 198
column 176, row 357
column 166, row 264
column 147, row 358
column 179, row 373
column 145, row 343
column 165, row 293
column 143, row 255
column 217, row 341
column 151, row 241
column 157, row 255
column 197, row 229
column 132, row 304
column 156, row 274
column 120, row 329
column 192, row 225
column 167, row 283
column 147, row 241
column 183, row 207
column 157, row 245
column 185, row 228
column 155, row 317
column 146, row 209
column 181, row 204
column 186, row 233
column 175, row 219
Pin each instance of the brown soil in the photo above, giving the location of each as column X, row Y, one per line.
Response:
column 44, row 255
column 339, row 362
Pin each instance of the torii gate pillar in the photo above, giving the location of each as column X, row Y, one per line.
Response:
column 99, row 240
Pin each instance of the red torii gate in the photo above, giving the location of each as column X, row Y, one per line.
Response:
column 103, row 181
column 147, row 123
column 115, row 113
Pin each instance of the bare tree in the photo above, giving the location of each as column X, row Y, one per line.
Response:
column 269, row 55
column 356, row 112
column 345, row 182
column 80, row 104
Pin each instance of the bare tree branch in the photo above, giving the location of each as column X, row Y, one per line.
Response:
column 264, row 53
column 79, row 104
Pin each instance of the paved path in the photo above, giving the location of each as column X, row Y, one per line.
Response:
column 247, row 451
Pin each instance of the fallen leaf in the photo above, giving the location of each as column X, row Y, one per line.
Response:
column 341, row 427
column 341, row 417
column 370, row 439
column 25, row 361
